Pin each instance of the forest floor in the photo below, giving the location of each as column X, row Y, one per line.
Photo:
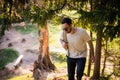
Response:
column 27, row 45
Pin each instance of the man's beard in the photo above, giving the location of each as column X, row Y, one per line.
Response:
column 68, row 30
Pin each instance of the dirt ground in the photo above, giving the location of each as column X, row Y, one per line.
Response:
column 27, row 45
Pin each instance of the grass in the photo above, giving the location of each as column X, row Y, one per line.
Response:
column 59, row 59
column 54, row 35
column 6, row 56
column 29, row 28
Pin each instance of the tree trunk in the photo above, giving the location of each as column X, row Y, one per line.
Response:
column 105, row 58
column 89, row 62
column 96, row 73
column 44, row 61
column 104, row 65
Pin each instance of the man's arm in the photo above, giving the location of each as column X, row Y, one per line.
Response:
column 91, row 50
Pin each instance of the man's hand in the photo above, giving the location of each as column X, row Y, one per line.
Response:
column 65, row 45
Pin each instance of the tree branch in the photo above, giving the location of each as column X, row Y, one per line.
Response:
column 60, row 8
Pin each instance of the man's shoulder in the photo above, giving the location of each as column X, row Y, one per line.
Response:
column 81, row 29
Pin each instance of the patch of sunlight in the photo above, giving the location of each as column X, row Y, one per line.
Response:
column 54, row 32
column 61, row 65
column 22, row 77
column 63, row 77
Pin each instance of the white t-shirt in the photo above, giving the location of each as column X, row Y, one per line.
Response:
column 77, row 43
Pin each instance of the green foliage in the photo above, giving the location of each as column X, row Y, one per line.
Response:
column 105, row 78
column 112, row 52
column 7, row 55
column 3, row 22
column 10, row 11
column 40, row 13
column 33, row 11
column 117, row 72
column 35, row 14
column 98, row 15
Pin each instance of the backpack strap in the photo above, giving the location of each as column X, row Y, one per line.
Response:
column 65, row 39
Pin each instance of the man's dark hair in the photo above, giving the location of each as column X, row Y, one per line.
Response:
column 66, row 20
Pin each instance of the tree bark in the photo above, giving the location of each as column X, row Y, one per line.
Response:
column 104, row 65
column 96, row 73
column 105, row 58
column 44, row 59
column 89, row 62
column 44, row 62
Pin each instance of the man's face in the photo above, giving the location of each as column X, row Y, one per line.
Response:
column 66, row 27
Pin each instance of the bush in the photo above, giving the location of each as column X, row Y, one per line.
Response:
column 7, row 55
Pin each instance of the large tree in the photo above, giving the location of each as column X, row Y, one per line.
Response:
column 40, row 12
column 34, row 11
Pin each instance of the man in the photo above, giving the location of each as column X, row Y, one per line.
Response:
column 74, row 42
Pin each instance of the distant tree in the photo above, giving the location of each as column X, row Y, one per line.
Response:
column 112, row 56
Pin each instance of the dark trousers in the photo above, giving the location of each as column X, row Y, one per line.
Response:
column 72, row 63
